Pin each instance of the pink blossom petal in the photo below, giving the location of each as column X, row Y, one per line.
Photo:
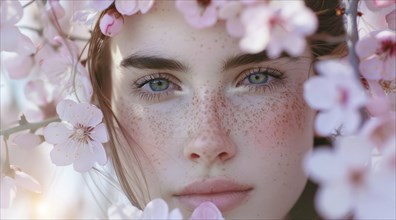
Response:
column 206, row 210
column 26, row 181
column 175, row 214
column 35, row 92
column 63, row 154
column 65, row 111
column 391, row 20
column 26, row 140
column 321, row 165
column 230, row 10
column 334, row 201
column 235, row 28
column 366, row 47
column 123, row 211
column 145, row 5
column 334, row 68
column 294, row 45
column 111, row 23
column 87, row 114
column 354, row 151
column 84, row 159
column 100, row 5
column 327, row 122
column 8, row 191
column 127, row 7
column 371, row 68
column 57, row 132
column 8, row 38
column 99, row 133
column 156, row 209
column 188, row 7
column 18, row 67
column 352, row 120
column 98, row 152
column 25, row 45
column 207, row 19
column 389, row 72
column 11, row 12
column 315, row 89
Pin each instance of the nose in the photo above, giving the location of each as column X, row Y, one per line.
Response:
column 210, row 142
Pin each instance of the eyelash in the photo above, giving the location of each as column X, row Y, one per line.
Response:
column 276, row 78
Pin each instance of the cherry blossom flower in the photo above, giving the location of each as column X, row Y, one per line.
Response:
column 377, row 53
column 111, row 23
column 124, row 7
column 231, row 11
column 199, row 14
column 347, row 184
column 206, row 210
column 12, row 40
column 56, row 65
column 155, row 210
column 13, row 178
column 78, row 138
column 277, row 26
column 343, row 97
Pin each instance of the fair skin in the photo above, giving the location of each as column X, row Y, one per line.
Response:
column 245, row 123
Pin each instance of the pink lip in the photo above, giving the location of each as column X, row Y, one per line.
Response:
column 224, row 193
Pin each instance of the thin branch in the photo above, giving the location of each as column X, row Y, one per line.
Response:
column 28, row 126
column 29, row 3
column 352, row 33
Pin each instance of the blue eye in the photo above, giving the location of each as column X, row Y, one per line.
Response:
column 258, row 78
column 158, row 85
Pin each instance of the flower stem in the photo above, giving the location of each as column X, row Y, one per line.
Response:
column 352, row 33
column 6, row 170
column 24, row 125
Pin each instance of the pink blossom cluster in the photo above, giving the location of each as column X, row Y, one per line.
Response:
column 356, row 106
column 356, row 175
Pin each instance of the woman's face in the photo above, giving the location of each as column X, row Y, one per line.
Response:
column 215, row 124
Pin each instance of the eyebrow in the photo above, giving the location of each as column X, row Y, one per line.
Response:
column 156, row 62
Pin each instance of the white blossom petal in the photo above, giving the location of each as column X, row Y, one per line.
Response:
column 26, row 181
column 156, row 209
column 99, row 133
column 334, row 201
column 8, row 191
column 57, row 132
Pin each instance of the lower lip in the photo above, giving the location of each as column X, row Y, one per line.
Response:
column 225, row 201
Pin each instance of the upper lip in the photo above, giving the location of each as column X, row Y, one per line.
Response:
column 213, row 186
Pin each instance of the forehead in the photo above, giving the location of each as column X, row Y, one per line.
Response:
column 164, row 31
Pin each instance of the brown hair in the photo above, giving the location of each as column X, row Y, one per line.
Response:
column 330, row 27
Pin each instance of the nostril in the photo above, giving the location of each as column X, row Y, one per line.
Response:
column 223, row 156
column 194, row 156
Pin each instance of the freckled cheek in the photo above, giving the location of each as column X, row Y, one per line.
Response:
column 279, row 125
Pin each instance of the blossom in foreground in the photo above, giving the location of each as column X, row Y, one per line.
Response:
column 78, row 138
column 377, row 54
column 199, row 14
column 344, row 97
column 376, row 5
column 12, row 40
column 111, row 23
column 156, row 209
column 12, row 179
column 348, row 185
column 277, row 26
column 124, row 7
column 206, row 210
